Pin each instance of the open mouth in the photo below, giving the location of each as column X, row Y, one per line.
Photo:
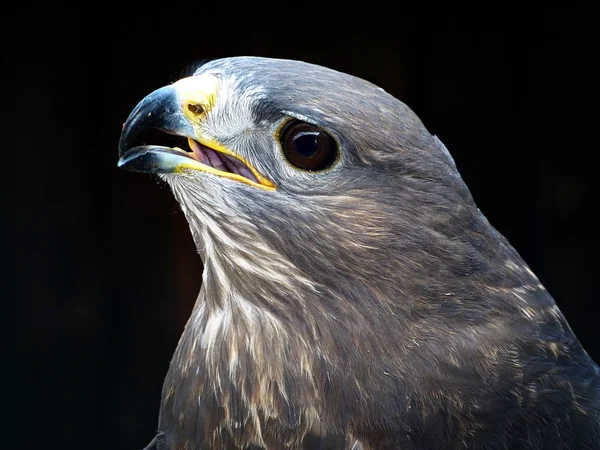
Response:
column 173, row 153
column 217, row 160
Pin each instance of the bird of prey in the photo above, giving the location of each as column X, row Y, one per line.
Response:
column 353, row 296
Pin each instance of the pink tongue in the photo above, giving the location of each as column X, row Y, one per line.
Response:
column 206, row 155
column 238, row 167
column 211, row 158
column 199, row 153
column 215, row 161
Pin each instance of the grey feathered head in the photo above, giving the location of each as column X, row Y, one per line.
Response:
column 347, row 270
column 335, row 181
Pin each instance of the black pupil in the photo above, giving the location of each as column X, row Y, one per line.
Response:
column 306, row 143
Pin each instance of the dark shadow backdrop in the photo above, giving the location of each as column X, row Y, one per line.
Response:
column 101, row 271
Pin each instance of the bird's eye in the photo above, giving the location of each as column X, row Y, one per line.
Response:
column 308, row 147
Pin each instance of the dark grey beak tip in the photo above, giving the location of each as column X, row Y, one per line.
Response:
column 160, row 110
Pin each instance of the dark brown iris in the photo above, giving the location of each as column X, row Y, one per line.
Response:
column 308, row 147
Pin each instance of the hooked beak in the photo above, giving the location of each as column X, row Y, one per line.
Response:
column 179, row 110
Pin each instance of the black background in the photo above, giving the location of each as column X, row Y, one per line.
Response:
column 101, row 272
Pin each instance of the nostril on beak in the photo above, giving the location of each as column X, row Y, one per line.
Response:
column 195, row 108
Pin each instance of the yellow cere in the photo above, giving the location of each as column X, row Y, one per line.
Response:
column 197, row 95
